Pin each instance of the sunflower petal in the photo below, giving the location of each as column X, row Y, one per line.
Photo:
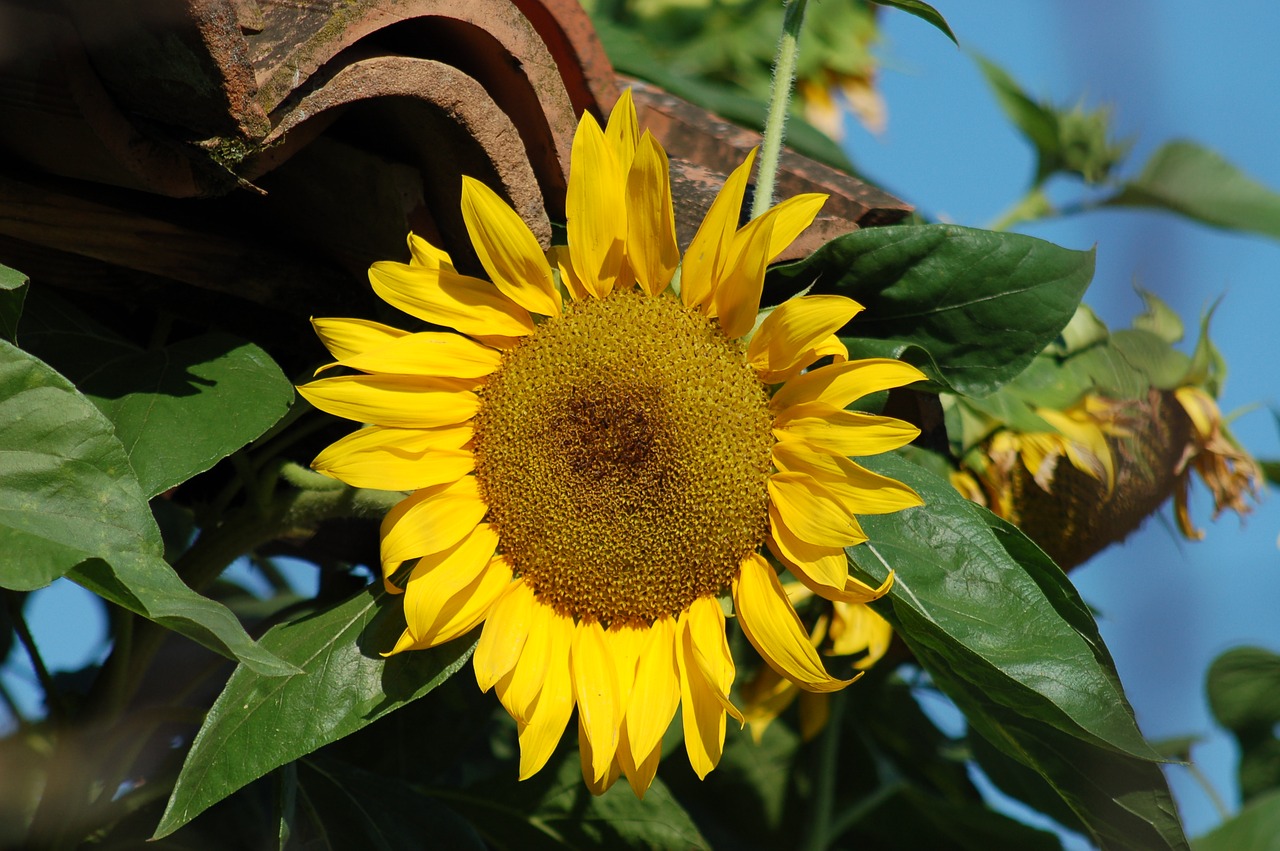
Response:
column 427, row 353
column 811, row 512
column 554, row 705
column 623, row 130
column 436, row 578
column 595, row 211
column 595, row 686
column 443, row 297
column 841, row 383
column 505, row 632
column 398, row 459
column 822, row 569
column 796, row 327
column 393, row 400
column 508, row 250
column 346, row 338
column 774, row 629
column 737, row 296
column 702, row 712
column 790, row 218
column 467, row 609
column 431, row 520
column 588, row 759
column 709, row 252
column 656, row 693
column 651, row 223
column 711, row 650
column 423, row 253
column 639, row 773
column 859, row 490
column 843, row 432
column 531, row 670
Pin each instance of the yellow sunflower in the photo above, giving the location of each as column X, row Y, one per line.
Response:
column 603, row 449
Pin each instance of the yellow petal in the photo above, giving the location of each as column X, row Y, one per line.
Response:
column 470, row 606
column 431, row 520
column 656, row 692
column 558, row 256
column 766, row 696
column 859, row 490
column 595, row 211
column 796, row 327
column 428, row 353
column 774, row 629
column 398, row 459
column 858, row 629
column 588, row 759
column 825, row 569
column 437, row 577
column 702, row 713
column 346, row 338
column 737, row 296
column 595, row 686
column 444, row 297
column 790, row 218
column 843, row 432
column 709, row 252
column 423, row 253
column 508, row 250
column 640, row 773
column 651, row 223
column 394, row 400
column 405, row 642
column 840, row 384
column 554, row 704
column 625, row 644
column 531, row 670
column 811, row 512
column 623, row 130
column 711, row 650
column 504, row 635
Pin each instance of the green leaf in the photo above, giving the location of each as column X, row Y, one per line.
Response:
column 346, row 807
column 180, row 409
column 1244, row 694
column 1037, row 122
column 261, row 723
column 1002, row 632
column 1164, row 367
column 67, row 492
column 981, row 303
column 1255, row 828
column 1159, row 319
column 923, row 11
column 1185, row 178
column 13, row 291
column 553, row 811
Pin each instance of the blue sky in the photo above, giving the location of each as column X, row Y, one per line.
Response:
column 1170, row 69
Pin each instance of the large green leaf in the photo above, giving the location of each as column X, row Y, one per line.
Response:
column 1254, row 828
column 67, row 492
column 69, row 502
column 13, row 291
column 1001, row 631
column 982, row 304
column 1244, row 694
column 178, row 409
column 260, row 723
column 1185, row 178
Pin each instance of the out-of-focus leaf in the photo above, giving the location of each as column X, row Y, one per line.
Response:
column 178, row 409
column 913, row 818
column 1244, row 695
column 13, row 291
column 1159, row 319
column 1037, row 122
column 923, row 11
column 344, row 807
column 1003, row 633
column 1185, row 178
column 1271, row 469
column 261, row 723
column 553, row 811
column 67, row 492
column 981, row 303
column 1255, row 828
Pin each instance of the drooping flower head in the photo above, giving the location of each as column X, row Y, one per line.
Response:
column 604, row 446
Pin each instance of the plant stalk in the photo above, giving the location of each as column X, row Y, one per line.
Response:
column 784, row 73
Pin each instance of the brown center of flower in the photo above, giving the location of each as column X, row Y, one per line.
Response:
column 623, row 450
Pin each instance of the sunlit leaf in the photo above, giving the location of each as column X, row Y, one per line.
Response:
column 982, row 304
column 1185, row 178
column 260, row 723
column 923, row 11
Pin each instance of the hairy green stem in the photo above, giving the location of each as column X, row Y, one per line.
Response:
column 784, row 72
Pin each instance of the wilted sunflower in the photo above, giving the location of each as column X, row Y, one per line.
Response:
column 594, row 465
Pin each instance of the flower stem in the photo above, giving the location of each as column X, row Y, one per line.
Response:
column 824, row 786
column 784, row 72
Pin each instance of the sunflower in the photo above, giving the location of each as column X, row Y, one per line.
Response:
column 604, row 448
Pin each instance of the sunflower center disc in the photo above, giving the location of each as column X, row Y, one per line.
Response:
column 623, row 450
